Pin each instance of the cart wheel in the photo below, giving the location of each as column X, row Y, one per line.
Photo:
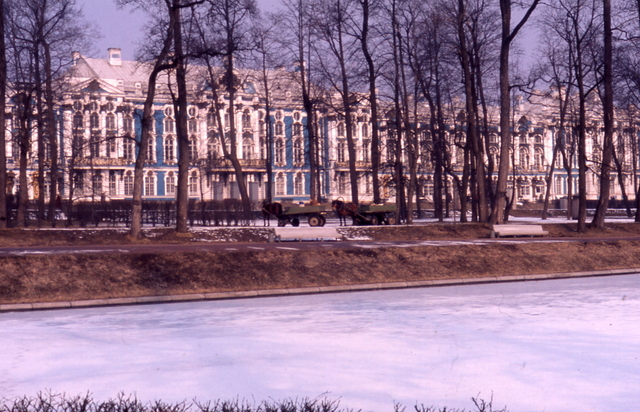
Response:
column 374, row 220
column 314, row 220
column 323, row 220
column 391, row 220
column 282, row 223
column 295, row 222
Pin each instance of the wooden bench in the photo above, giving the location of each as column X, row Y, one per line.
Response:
column 517, row 230
column 300, row 234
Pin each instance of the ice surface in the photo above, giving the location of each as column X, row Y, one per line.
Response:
column 564, row 345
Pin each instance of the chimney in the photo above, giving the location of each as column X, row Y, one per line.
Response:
column 75, row 56
column 115, row 57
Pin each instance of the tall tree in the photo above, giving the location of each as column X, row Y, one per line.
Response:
column 299, row 40
column 3, row 93
column 227, row 34
column 508, row 34
column 163, row 31
column 607, row 108
column 331, row 21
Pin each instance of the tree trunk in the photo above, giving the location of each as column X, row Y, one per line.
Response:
column 607, row 102
column 3, row 91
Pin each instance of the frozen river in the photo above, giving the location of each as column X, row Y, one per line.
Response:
column 567, row 345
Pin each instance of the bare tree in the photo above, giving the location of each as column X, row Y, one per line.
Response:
column 3, row 93
column 508, row 34
column 226, row 33
column 607, row 103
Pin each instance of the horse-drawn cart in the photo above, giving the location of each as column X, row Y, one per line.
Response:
column 314, row 214
column 376, row 214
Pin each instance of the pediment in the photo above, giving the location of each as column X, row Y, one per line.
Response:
column 94, row 86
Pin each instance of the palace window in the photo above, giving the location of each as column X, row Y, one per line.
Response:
column 298, row 152
column 193, row 184
column 113, row 186
column 97, row 183
column 94, row 121
column 342, row 151
column 280, row 184
column 128, row 183
column 149, row 184
column 151, row 151
column 170, row 184
column 298, row 184
column 78, row 121
column 279, row 152
column 193, row 149
column 127, row 148
column 111, row 122
column 246, row 119
column 127, row 124
column 169, row 149
column 169, row 125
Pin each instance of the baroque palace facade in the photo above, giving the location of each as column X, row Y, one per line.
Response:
column 99, row 121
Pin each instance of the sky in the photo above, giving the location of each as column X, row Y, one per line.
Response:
column 122, row 27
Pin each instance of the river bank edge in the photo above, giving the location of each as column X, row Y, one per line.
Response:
column 197, row 297
column 81, row 280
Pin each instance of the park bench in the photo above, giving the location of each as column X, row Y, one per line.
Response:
column 517, row 230
column 305, row 234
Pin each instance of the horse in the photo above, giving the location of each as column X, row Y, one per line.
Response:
column 344, row 209
column 270, row 209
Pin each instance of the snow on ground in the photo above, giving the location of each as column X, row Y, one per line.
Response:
column 564, row 345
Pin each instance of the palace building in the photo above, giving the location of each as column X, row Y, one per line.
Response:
column 99, row 123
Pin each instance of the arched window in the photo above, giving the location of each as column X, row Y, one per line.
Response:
column 247, row 145
column 340, row 129
column 149, row 184
column 170, row 184
column 280, row 184
column 169, row 125
column 192, row 125
column 524, row 158
column 365, row 130
column 538, row 159
column 151, row 149
column 366, row 151
column 97, row 183
column 279, row 129
column 111, row 122
column 113, row 186
column 342, row 183
column 128, row 183
column 94, row 121
column 169, row 149
column 298, row 152
column 297, row 130
column 246, row 119
column 94, row 145
column 78, row 121
column 127, row 148
column 341, row 151
column 279, row 152
column 193, row 149
column 298, row 184
column 213, row 147
column 193, row 184
column 127, row 124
